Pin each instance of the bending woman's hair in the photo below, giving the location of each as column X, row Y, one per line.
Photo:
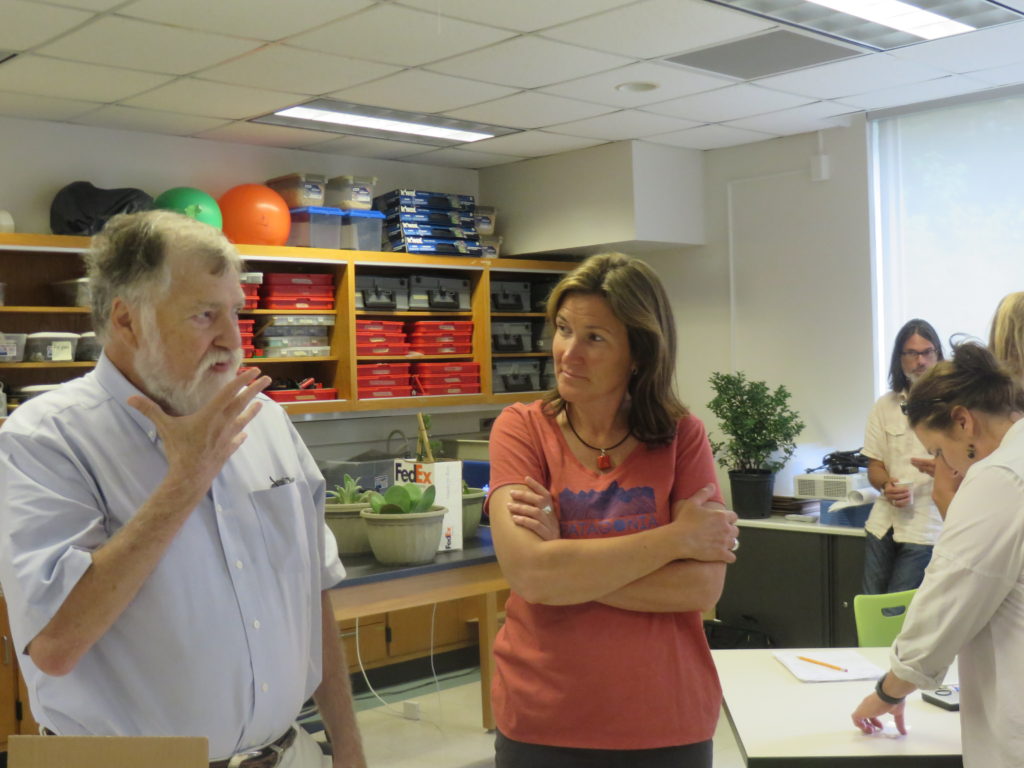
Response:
column 973, row 379
column 638, row 299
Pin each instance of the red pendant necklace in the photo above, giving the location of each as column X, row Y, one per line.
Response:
column 604, row 461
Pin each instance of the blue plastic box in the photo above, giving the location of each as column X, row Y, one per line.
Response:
column 853, row 517
column 314, row 227
column 361, row 230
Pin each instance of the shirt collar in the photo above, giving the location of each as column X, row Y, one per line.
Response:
column 120, row 389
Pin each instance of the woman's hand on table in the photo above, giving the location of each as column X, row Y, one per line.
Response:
column 534, row 510
column 866, row 715
column 708, row 533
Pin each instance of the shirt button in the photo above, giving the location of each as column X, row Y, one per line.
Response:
column 238, row 564
column 264, row 687
column 256, row 624
column 152, row 435
column 219, row 508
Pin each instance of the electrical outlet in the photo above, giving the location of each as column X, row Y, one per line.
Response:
column 411, row 710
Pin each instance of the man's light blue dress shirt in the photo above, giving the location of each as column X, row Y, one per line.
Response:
column 224, row 638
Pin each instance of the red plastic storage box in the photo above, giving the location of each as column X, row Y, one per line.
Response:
column 443, row 349
column 369, row 393
column 382, row 349
column 449, row 389
column 437, row 326
column 383, row 369
column 446, row 367
column 303, row 302
column 384, row 326
column 441, row 337
column 302, row 395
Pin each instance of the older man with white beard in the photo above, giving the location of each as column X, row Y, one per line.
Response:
column 162, row 543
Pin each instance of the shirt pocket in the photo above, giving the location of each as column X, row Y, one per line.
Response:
column 282, row 515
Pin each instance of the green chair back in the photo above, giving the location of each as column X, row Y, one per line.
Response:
column 878, row 618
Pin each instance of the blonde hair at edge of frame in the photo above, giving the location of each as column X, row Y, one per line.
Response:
column 638, row 299
column 1006, row 340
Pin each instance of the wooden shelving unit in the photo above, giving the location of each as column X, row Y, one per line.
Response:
column 30, row 263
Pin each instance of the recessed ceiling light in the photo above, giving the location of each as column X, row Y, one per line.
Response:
column 377, row 122
column 636, row 87
column 881, row 24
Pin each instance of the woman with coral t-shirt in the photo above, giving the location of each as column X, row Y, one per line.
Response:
column 609, row 527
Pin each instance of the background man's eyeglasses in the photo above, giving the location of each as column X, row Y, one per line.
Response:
column 913, row 354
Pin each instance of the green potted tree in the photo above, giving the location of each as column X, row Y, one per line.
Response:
column 760, row 430
column 472, row 509
column 344, row 503
column 403, row 524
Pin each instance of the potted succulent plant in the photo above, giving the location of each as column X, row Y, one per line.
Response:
column 403, row 524
column 472, row 509
column 760, row 430
column 344, row 503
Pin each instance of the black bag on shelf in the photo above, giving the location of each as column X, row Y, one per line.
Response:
column 82, row 209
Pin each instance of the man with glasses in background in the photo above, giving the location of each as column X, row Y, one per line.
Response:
column 904, row 522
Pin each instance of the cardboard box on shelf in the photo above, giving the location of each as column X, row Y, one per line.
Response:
column 446, row 477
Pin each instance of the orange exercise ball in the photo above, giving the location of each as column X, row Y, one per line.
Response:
column 255, row 214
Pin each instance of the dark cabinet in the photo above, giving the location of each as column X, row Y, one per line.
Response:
column 796, row 586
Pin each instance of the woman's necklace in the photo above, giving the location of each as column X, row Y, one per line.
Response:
column 604, row 461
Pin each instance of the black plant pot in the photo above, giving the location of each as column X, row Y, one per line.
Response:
column 752, row 492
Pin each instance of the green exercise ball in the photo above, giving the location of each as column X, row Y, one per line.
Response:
column 192, row 202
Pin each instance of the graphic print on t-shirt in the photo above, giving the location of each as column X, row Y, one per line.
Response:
column 611, row 512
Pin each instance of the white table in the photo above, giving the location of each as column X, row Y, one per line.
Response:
column 780, row 722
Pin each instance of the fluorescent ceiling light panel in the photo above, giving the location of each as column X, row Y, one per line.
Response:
column 898, row 15
column 881, row 24
column 382, row 123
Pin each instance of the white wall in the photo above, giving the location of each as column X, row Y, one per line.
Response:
column 37, row 158
column 782, row 290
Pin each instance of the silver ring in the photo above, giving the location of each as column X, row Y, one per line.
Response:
column 546, row 509
column 735, row 545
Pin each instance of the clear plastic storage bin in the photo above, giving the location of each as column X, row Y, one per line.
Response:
column 300, row 190
column 361, row 230
column 353, row 193
column 314, row 227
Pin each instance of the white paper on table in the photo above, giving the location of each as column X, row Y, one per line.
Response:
column 865, row 495
column 856, row 666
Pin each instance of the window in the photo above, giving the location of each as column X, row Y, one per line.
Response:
column 949, row 218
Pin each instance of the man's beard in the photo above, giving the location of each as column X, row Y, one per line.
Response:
column 181, row 398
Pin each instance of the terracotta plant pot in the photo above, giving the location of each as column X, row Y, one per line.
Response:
column 348, row 527
column 404, row 539
column 472, row 510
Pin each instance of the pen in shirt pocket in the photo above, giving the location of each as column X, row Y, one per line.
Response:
column 283, row 480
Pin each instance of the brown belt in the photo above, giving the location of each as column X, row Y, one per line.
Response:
column 264, row 757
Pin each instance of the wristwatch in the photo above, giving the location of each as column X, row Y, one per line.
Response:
column 880, row 692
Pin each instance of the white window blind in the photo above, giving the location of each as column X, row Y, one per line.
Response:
column 949, row 218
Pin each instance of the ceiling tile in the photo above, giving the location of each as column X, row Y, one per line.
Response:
column 729, row 103
column 257, row 19
column 26, row 25
column 74, row 80
column 531, row 144
column 267, row 135
column 460, row 158
column 983, row 49
column 709, row 137
column 529, row 62
column 627, row 124
column 810, row 117
column 672, row 81
column 659, row 28
column 148, row 120
column 1010, row 75
column 397, row 35
column 420, row 91
column 529, row 109
column 284, row 68
column 42, row 107
column 202, row 97
column 842, row 78
column 940, row 88
column 133, row 44
column 521, row 15
column 361, row 146
column 92, row 5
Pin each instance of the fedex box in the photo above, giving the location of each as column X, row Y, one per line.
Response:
column 446, row 477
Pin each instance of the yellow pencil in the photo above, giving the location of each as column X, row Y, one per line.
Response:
column 823, row 664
